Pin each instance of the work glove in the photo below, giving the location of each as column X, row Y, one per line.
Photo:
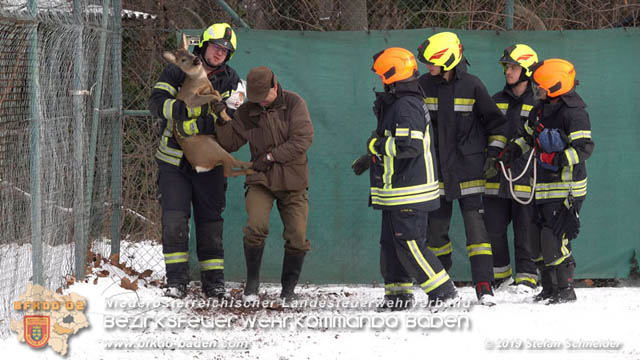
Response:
column 549, row 161
column 490, row 167
column 566, row 221
column 506, row 156
column 263, row 164
column 361, row 164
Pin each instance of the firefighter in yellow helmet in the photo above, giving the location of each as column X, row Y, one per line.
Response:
column 180, row 186
column 515, row 100
column 404, row 184
column 468, row 129
column 559, row 130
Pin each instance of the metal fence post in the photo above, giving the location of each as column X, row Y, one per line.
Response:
column 34, row 148
column 116, row 154
column 509, row 13
column 79, row 85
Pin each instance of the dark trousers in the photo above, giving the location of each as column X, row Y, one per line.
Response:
column 404, row 254
column 179, row 189
column 478, row 243
column 547, row 248
column 498, row 213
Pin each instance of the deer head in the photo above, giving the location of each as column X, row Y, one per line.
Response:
column 182, row 58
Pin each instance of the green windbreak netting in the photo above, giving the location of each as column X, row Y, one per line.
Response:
column 332, row 71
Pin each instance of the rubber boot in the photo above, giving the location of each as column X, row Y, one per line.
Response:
column 291, row 268
column 548, row 282
column 565, row 293
column 253, row 258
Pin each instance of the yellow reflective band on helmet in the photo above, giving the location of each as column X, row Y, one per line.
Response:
column 167, row 109
column 479, row 249
column 400, row 132
column 419, row 258
column 398, row 288
column 212, row 264
column 526, row 278
column 502, row 272
column 166, row 87
column 498, row 141
column 472, row 187
column 176, row 257
column 582, row 134
column 434, row 282
column 463, row 104
column 443, row 250
column 572, row 156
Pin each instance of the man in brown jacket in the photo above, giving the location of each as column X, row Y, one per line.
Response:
column 277, row 125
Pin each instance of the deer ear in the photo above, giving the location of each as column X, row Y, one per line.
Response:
column 170, row 57
column 184, row 44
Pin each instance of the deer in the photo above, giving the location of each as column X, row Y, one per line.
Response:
column 202, row 151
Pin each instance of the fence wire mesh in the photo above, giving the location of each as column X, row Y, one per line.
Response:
column 55, row 139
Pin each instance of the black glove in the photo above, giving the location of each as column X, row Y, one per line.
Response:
column 506, row 155
column 361, row 164
column 566, row 221
column 490, row 170
column 262, row 164
column 218, row 106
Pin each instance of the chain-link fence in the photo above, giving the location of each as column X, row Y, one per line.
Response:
column 59, row 107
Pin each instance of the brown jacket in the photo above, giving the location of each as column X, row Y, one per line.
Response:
column 284, row 129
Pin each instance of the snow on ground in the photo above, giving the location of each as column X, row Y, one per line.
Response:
column 602, row 317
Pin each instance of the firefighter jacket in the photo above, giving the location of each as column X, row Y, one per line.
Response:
column 164, row 105
column 403, row 171
column 468, row 126
column 569, row 116
column 516, row 110
column 283, row 129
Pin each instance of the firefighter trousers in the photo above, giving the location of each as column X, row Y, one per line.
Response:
column 404, row 254
column 547, row 248
column 179, row 190
column 498, row 213
column 478, row 243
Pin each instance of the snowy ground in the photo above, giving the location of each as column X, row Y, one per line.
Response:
column 602, row 317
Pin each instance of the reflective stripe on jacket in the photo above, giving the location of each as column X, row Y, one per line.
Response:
column 467, row 126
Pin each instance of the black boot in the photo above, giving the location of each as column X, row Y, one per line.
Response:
column 212, row 283
column 291, row 268
column 211, row 256
column 548, row 282
column 176, row 291
column 443, row 296
column 565, row 293
column 253, row 258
